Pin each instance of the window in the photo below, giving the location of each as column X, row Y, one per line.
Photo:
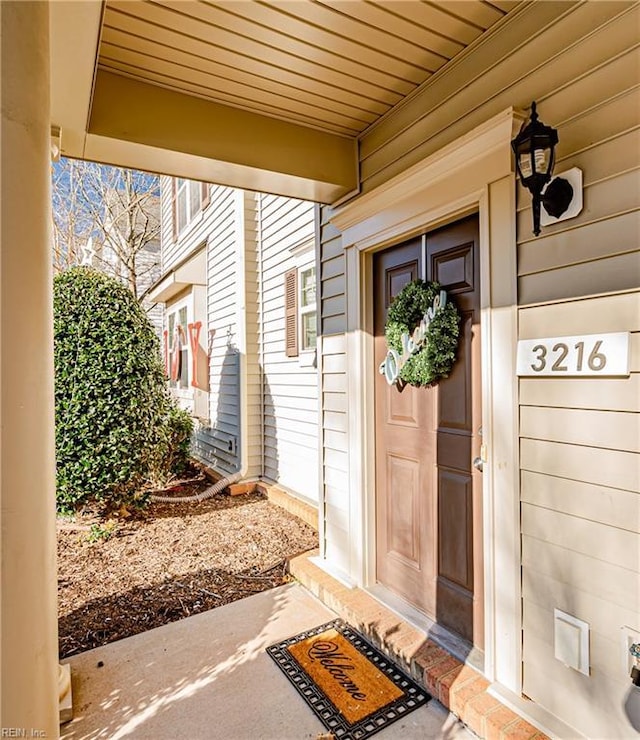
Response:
column 308, row 308
column 186, row 356
column 300, row 310
column 189, row 198
column 178, row 348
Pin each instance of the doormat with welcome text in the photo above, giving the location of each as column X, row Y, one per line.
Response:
column 353, row 688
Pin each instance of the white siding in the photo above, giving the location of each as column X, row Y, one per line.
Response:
column 290, row 387
column 251, row 241
column 333, row 369
column 148, row 268
column 335, row 459
column 212, row 437
column 218, row 445
column 250, row 297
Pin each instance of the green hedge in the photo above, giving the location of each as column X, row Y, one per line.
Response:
column 117, row 428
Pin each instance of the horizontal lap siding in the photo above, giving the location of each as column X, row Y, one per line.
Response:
column 580, row 438
column 333, row 367
column 250, row 226
column 218, row 445
column 332, row 277
column 580, row 456
column 290, row 390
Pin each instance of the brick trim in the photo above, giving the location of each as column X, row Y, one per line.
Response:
column 460, row 688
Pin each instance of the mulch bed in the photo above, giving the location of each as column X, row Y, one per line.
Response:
column 176, row 560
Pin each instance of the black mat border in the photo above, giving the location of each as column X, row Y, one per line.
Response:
column 414, row 695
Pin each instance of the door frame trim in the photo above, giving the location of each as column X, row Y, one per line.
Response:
column 473, row 174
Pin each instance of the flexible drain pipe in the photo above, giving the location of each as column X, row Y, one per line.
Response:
column 203, row 495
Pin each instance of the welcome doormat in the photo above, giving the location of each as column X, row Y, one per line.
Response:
column 353, row 688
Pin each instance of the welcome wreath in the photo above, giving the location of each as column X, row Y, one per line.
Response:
column 422, row 332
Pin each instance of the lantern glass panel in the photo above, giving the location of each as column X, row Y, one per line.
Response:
column 541, row 160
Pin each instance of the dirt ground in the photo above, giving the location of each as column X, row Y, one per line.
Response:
column 178, row 559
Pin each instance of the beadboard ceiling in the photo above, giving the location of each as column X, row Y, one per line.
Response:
column 269, row 95
column 332, row 65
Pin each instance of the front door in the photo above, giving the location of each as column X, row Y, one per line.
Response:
column 428, row 492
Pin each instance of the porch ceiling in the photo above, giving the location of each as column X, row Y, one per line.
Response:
column 249, row 93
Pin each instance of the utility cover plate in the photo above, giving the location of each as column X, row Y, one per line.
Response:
column 571, row 641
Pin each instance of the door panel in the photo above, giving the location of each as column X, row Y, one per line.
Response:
column 455, row 561
column 405, row 448
column 453, row 260
column 403, row 535
column 455, row 408
column 428, row 495
column 454, row 268
column 402, row 408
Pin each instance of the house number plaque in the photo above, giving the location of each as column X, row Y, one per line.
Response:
column 591, row 355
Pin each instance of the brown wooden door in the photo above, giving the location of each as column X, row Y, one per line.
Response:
column 428, row 494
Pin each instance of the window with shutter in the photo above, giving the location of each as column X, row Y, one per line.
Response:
column 291, row 312
column 178, row 348
column 190, row 197
column 307, row 308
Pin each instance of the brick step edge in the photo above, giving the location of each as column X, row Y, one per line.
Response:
column 460, row 688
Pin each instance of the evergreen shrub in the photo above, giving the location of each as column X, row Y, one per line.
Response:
column 116, row 425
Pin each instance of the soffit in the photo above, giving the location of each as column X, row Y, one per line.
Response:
column 333, row 65
column 184, row 275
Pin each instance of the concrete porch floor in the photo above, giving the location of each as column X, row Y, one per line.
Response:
column 209, row 677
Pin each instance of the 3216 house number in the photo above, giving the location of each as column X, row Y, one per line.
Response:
column 605, row 355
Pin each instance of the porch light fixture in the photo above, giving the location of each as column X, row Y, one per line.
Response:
column 534, row 148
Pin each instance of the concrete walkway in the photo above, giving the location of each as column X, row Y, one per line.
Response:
column 208, row 677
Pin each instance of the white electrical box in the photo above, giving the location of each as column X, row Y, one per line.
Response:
column 571, row 641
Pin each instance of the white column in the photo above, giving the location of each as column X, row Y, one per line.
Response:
column 28, row 624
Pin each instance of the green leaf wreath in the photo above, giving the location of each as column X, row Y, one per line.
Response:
column 436, row 357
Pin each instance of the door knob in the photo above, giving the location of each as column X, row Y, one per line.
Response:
column 478, row 463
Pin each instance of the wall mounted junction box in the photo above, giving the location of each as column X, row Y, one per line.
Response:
column 571, row 641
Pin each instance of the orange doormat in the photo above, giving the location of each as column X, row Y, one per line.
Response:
column 353, row 688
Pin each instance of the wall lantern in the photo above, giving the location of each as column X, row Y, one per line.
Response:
column 534, row 147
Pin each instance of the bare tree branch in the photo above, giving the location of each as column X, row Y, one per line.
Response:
column 118, row 209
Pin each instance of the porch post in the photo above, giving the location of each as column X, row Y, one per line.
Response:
column 28, row 624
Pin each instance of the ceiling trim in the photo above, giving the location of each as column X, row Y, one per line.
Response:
column 74, row 40
column 140, row 113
